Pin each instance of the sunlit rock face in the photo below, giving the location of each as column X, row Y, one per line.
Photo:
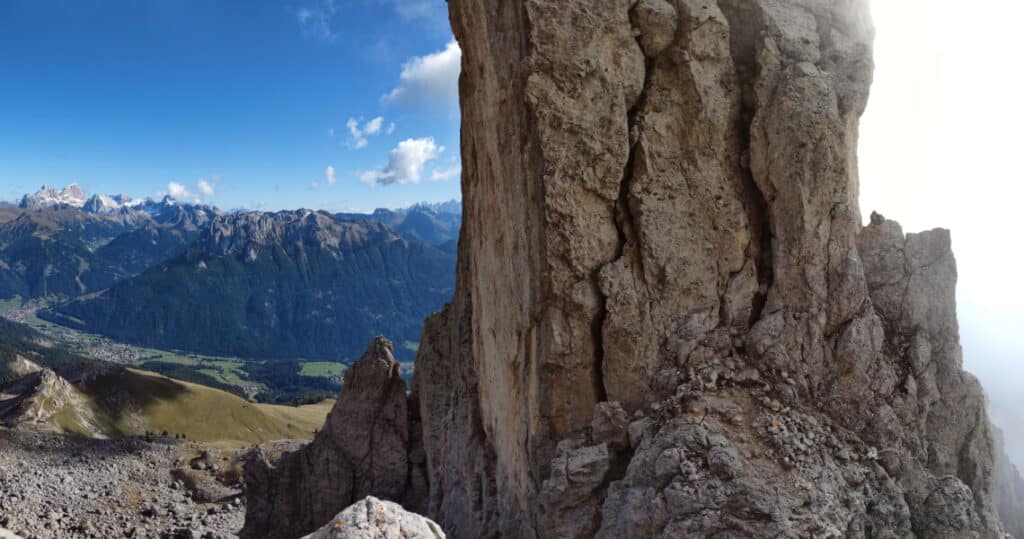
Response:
column 669, row 319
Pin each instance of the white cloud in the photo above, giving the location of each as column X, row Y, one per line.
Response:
column 446, row 174
column 391, row 128
column 432, row 79
column 358, row 140
column 181, row 191
column 205, row 187
column 178, row 190
column 330, row 132
column 328, row 179
column 405, row 163
column 373, row 126
column 360, row 132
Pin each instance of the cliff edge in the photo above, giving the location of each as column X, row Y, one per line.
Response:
column 669, row 320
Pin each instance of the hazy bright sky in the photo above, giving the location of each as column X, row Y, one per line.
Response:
column 254, row 98
column 940, row 144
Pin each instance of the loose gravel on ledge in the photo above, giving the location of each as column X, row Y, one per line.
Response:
column 59, row 486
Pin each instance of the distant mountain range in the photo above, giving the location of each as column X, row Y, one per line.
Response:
column 436, row 224
column 253, row 284
column 62, row 244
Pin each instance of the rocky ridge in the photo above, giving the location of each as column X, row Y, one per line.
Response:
column 291, row 284
column 32, row 402
column 363, row 449
column 47, row 197
column 674, row 256
column 669, row 320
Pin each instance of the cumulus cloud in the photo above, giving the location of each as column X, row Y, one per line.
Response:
column 178, row 190
column 358, row 140
column 329, row 173
column 431, row 79
column 373, row 126
column 405, row 163
column 205, row 187
column 446, row 174
column 359, row 133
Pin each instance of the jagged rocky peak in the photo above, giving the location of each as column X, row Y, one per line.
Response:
column 48, row 197
column 669, row 319
column 364, row 449
column 30, row 402
column 106, row 203
column 121, row 207
column 243, row 232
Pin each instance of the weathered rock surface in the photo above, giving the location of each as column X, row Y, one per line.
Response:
column 661, row 216
column 362, row 450
column 1009, row 492
column 32, row 403
column 371, row 518
column 56, row 486
column 669, row 320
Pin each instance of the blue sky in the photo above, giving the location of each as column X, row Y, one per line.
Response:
column 255, row 98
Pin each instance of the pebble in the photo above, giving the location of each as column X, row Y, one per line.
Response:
column 55, row 486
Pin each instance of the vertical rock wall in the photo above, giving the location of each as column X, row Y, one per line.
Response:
column 669, row 319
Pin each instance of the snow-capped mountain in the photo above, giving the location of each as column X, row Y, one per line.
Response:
column 104, row 204
column 130, row 211
column 48, row 197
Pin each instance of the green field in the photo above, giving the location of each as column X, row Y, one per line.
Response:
column 223, row 369
column 323, row 369
column 8, row 304
column 131, row 402
column 281, row 381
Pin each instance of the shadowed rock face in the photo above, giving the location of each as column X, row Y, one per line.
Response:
column 669, row 320
column 363, row 449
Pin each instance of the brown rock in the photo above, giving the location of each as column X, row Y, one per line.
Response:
column 661, row 222
column 652, row 203
column 362, row 450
